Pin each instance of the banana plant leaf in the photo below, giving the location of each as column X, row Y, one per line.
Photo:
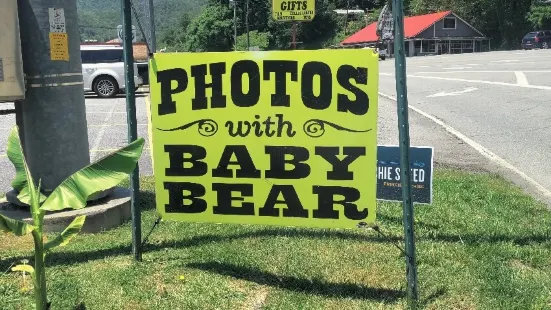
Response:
column 25, row 268
column 71, row 231
column 104, row 174
column 15, row 155
column 16, row 227
column 34, row 197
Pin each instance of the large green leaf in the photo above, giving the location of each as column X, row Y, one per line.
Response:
column 25, row 268
column 34, row 197
column 16, row 227
column 104, row 174
column 71, row 231
column 15, row 154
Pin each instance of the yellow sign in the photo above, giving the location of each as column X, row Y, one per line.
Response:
column 59, row 46
column 282, row 138
column 293, row 10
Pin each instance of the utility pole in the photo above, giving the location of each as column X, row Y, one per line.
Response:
column 132, row 127
column 52, row 117
column 152, row 37
column 247, row 23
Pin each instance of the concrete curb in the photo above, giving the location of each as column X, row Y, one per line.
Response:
column 103, row 215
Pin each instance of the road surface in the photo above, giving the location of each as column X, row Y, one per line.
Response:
column 500, row 100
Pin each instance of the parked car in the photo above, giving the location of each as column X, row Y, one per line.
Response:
column 103, row 70
column 537, row 39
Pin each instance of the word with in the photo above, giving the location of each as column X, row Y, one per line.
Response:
column 315, row 99
column 243, row 128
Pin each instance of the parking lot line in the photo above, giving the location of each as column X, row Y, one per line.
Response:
column 3, row 155
column 521, row 78
column 106, row 112
column 478, row 81
column 114, row 125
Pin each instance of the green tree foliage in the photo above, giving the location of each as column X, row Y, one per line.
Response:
column 211, row 30
column 175, row 36
column 98, row 19
column 256, row 39
column 540, row 17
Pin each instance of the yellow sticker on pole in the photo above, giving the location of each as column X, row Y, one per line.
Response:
column 293, row 10
column 280, row 138
column 59, row 46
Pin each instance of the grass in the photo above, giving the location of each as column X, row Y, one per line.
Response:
column 483, row 244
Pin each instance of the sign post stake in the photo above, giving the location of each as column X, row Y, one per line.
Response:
column 152, row 36
column 132, row 127
column 403, row 123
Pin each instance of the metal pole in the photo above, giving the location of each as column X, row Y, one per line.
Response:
column 152, row 36
column 51, row 120
column 346, row 18
column 295, row 36
column 403, row 123
column 234, row 24
column 247, row 25
column 132, row 127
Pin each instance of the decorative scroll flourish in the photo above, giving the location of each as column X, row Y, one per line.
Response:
column 315, row 128
column 206, row 127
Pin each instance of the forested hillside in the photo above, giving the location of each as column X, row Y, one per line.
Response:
column 207, row 25
column 98, row 19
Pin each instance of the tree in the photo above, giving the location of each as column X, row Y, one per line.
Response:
column 540, row 17
column 211, row 30
column 175, row 36
column 257, row 39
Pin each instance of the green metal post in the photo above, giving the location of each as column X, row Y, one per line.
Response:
column 403, row 123
column 132, row 126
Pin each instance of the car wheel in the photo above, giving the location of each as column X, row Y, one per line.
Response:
column 106, row 87
column 545, row 45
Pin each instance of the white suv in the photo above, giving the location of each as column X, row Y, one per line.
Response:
column 103, row 70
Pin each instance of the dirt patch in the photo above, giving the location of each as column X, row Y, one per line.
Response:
column 256, row 300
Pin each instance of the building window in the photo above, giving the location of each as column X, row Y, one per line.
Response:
column 449, row 22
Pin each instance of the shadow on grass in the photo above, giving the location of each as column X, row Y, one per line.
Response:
column 397, row 220
column 318, row 287
column 147, row 201
column 68, row 258
column 432, row 297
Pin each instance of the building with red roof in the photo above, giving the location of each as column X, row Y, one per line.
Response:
column 429, row 34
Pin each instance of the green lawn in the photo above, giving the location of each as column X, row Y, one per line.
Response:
column 483, row 244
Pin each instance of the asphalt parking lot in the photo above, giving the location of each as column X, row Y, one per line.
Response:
column 107, row 131
column 499, row 100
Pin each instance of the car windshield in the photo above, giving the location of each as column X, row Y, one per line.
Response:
column 530, row 35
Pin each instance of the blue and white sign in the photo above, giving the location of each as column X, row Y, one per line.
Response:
column 389, row 186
